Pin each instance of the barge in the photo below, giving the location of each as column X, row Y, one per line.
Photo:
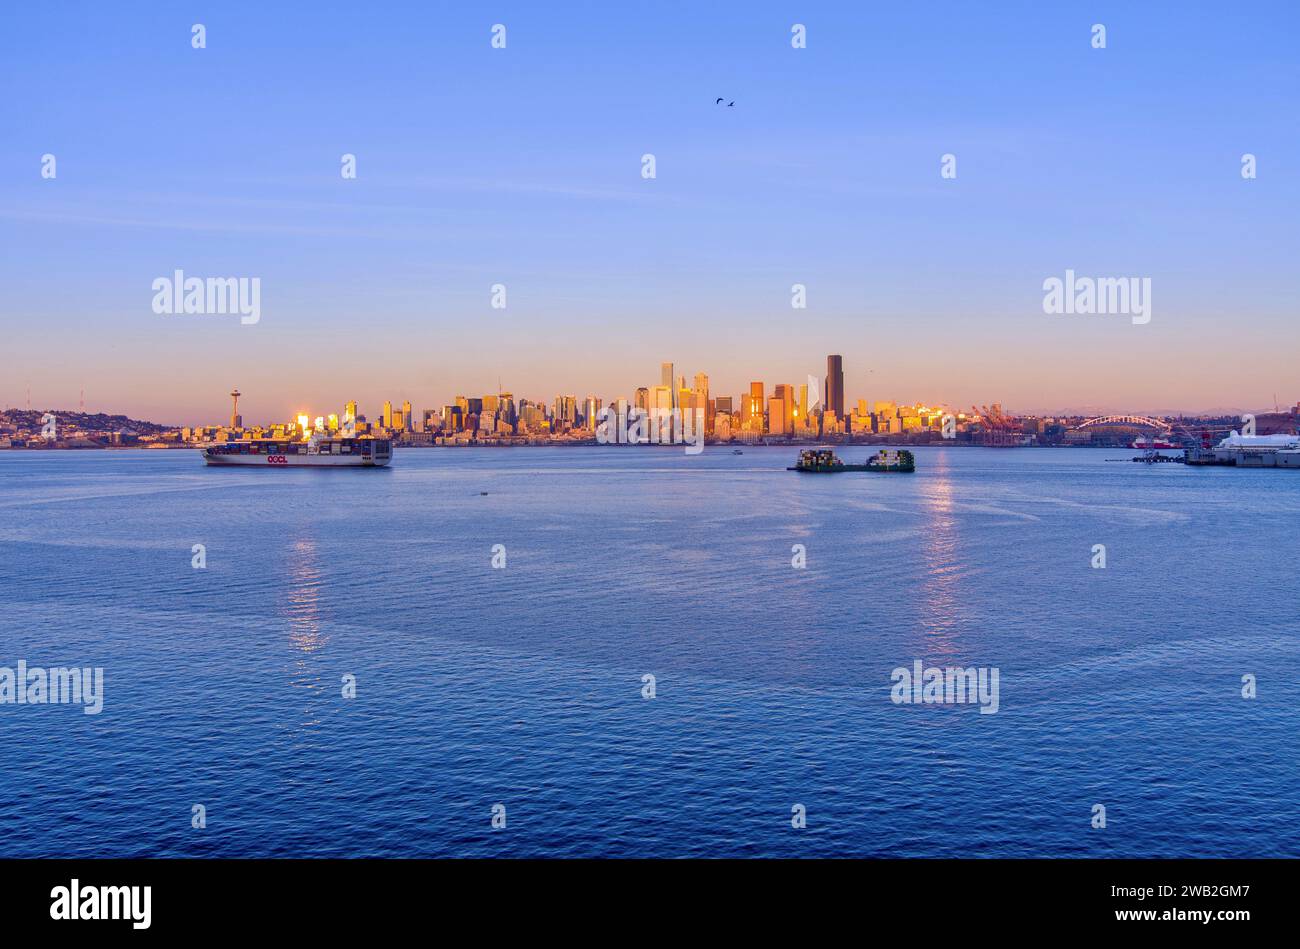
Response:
column 825, row 461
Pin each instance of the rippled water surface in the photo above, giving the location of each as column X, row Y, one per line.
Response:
column 523, row 686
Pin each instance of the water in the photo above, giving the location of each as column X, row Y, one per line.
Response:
column 522, row 686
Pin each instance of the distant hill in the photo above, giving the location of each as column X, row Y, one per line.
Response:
column 30, row 421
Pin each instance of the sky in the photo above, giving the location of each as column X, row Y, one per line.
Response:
column 522, row 166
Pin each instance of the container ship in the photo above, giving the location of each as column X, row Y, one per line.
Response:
column 318, row 451
column 825, row 461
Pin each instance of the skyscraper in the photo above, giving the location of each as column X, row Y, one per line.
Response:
column 835, row 385
column 776, row 416
column 703, row 401
column 785, row 394
column 661, row 406
column 754, row 413
column 666, row 380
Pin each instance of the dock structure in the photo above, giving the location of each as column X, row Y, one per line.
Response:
column 1248, row 451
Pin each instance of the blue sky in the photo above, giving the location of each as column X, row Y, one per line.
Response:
column 522, row 166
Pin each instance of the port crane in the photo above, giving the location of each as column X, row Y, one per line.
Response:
column 996, row 429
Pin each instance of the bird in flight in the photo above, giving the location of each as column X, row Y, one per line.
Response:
column 729, row 104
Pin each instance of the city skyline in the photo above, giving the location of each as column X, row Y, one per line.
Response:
column 215, row 407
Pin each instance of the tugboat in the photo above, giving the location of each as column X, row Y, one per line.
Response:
column 825, row 461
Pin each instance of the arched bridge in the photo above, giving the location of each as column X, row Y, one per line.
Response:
column 1138, row 420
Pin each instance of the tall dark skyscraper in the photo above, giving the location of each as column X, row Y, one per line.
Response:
column 835, row 385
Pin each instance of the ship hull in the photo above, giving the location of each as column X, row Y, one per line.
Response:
column 294, row 461
column 895, row 469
